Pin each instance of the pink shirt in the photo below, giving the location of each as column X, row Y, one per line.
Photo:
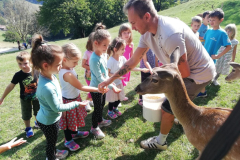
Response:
column 87, row 56
column 128, row 51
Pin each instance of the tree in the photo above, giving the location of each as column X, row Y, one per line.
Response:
column 21, row 19
column 163, row 4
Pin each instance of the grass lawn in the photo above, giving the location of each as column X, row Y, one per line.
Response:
column 131, row 125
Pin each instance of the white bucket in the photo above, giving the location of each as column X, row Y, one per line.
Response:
column 152, row 106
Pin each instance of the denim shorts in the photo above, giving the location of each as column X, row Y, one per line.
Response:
column 192, row 89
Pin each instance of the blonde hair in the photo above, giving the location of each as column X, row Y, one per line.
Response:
column 71, row 51
column 116, row 43
column 233, row 29
column 23, row 56
column 125, row 27
column 197, row 19
column 89, row 45
column 141, row 7
column 42, row 52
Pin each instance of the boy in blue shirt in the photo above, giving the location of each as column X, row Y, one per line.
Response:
column 215, row 38
column 204, row 27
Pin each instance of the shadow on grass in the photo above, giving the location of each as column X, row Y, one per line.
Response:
column 211, row 94
column 37, row 134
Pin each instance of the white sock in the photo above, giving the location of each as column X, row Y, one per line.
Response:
column 161, row 139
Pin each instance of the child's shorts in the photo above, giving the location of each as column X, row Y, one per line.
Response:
column 27, row 106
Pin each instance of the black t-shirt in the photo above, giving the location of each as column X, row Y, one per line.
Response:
column 28, row 84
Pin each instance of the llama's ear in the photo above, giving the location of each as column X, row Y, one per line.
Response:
column 174, row 57
column 165, row 75
column 234, row 65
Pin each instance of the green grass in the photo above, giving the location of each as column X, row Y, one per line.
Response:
column 131, row 125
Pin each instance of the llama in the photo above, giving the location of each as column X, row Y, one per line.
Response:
column 200, row 124
column 235, row 74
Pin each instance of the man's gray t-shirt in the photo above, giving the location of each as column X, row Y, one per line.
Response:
column 172, row 32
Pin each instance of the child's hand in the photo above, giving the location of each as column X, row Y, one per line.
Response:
column 103, row 90
column 64, row 114
column 14, row 143
column 1, row 101
column 214, row 56
column 83, row 103
column 145, row 70
column 116, row 90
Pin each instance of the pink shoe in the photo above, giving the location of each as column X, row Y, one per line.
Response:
column 80, row 134
column 125, row 99
column 112, row 114
column 115, row 110
column 71, row 145
column 140, row 102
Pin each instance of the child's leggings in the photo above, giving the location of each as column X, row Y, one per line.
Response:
column 68, row 134
column 99, row 102
column 51, row 134
column 113, row 104
column 89, row 94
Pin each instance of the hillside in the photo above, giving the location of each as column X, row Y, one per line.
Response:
column 123, row 137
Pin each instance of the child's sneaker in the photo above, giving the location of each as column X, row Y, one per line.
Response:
column 91, row 104
column 115, row 110
column 97, row 132
column 202, row 94
column 29, row 132
column 120, row 105
column 71, row 145
column 36, row 125
column 112, row 114
column 61, row 154
column 88, row 108
column 104, row 123
column 140, row 102
column 80, row 134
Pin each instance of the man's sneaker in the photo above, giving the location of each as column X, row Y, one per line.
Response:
column 120, row 105
column 202, row 94
column 36, row 125
column 112, row 114
column 97, row 132
column 151, row 143
column 91, row 103
column 88, row 108
column 216, row 83
column 29, row 132
column 104, row 123
column 71, row 145
column 61, row 154
column 117, row 111
column 80, row 134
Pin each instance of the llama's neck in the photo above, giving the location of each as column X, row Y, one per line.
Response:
column 183, row 108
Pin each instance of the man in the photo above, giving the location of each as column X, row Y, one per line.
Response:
column 163, row 35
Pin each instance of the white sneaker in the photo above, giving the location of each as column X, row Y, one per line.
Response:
column 151, row 143
column 97, row 132
column 216, row 83
column 120, row 105
column 88, row 108
column 91, row 103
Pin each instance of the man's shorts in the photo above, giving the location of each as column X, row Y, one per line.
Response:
column 192, row 88
column 26, row 108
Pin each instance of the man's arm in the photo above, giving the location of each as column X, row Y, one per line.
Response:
column 128, row 66
column 182, row 63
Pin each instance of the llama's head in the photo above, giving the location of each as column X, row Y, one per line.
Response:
column 160, row 81
column 235, row 74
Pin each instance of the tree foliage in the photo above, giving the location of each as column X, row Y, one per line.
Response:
column 21, row 19
column 79, row 16
column 163, row 4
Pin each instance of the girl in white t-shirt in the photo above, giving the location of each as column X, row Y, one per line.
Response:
column 115, row 62
column 71, row 86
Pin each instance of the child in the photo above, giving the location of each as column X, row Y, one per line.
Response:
column 204, row 27
column 11, row 144
column 71, row 120
column 148, row 61
column 222, row 65
column 99, row 73
column 215, row 38
column 196, row 23
column 125, row 32
column 115, row 62
column 48, row 60
column 28, row 87
column 85, row 64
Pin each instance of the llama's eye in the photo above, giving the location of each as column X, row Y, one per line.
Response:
column 154, row 81
column 233, row 70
